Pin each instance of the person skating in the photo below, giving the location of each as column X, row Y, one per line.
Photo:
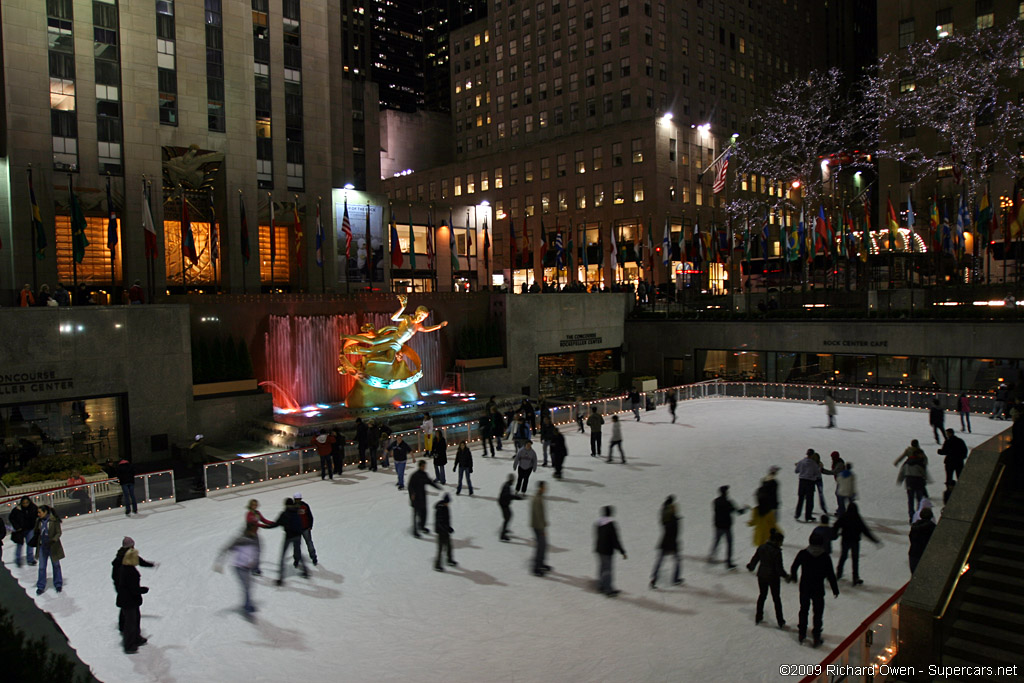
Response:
column 386, row 443
column 521, row 432
column 362, row 434
column 669, row 545
column 306, row 516
column 807, row 471
column 400, row 452
column 920, row 534
column 245, row 558
column 914, row 475
column 616, row 440
column 497, row 426
column 814, row 567
column 324, row 444
column 129, row 599
column 764, row 517
column 418, row 483
column 955, row 451
column 673, row 401
column 594, row 421
column 485, row 425
column 846, row 486
column 547, row 434
column 373, row 434
column 830, row 409
column 963, row 406
column 539, row 524
column 819, row 482
column 127, row 543
column 505, row 499
column 937, row 419
column 851, row 527
column 825, row 532
column 835, row 469
column 464, row 466
column 48, row 531
column 443, row 529
column 427, row 427
column 634, row 403
column 724, row 510
column 126, row 478
column 769, row 575
column 338, row 450
column 525, row 463
column 23, row 523
column 291, row 522
column 528, row 411
column 559, row 451
column 606, row 542
column 439, row 452
column 579, row 414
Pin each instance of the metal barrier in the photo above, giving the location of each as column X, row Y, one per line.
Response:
column 254, row 469
column 73, row 501
column 865, row 654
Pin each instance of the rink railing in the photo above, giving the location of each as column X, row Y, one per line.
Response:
column 241, row 471
column 97, row 496
column 864, row 655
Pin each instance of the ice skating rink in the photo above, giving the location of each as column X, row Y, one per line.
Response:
column 375, row 610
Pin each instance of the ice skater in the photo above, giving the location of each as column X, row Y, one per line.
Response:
column 920, row 534
column 126, row 478
column 400, row 452
column 579, row 414
column 525, row 463
column 306, row 515
column 48, row 531
column 769, row 575
column 485, row 426
column 245, row 558
column 634, row 403
column 669, row 545
column 127, row 543
column 830, row 409
column 594, row 421
column 913, row 475
column 129, row 599
column 851, row 527
column 807, row 471
column 439, row 453
column 963, row 406
column 606, row 542
column 291, row 522
column 559, row 451
column 427, row 427
column 521, row 432
column 955, row 451
column 464, row 465
column 937, row 419
column 23, row 523
column 539, row 524
column 547, row 434
column 814, row 567
column 846, row 487
column 505, row 499
column 443, row 529
column 497, row 426
column 418, row 483
column 338, row 450
column 724, row 510
column 672, row 403
column 616, row 440
column 819, row 482
column 763, row 517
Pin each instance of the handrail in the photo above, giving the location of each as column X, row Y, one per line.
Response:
column 97, row 493
column 19, row 496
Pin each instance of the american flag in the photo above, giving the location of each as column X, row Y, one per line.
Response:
column 720, row 168
column 346, row 229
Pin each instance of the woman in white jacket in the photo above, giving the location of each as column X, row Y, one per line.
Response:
column 846, row 487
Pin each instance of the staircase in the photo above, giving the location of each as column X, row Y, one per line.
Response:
column 987, row 625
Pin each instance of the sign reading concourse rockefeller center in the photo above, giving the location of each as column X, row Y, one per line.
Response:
column 27, row 384
column 584, row 339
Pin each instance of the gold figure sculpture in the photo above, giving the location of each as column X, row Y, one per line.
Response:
column 386, row 368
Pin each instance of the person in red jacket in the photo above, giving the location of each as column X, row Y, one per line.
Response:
column 324, row 445
column 255, row 519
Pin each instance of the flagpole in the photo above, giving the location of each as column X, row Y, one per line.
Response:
column 147, row 190
column 273, row 246
column 319, row 228
column 35, row 245
column 214, row 251
column 74, row 263
column 241, row 199
column 369, row 250
column 181, row 232
column 110, row 247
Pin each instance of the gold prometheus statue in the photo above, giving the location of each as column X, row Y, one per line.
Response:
column 386, row 368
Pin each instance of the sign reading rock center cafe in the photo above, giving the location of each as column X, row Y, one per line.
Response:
column 27, row 383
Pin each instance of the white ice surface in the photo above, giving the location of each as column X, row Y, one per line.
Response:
column 374, row 610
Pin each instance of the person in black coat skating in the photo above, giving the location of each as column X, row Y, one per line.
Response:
column 129, row 599
column 850, row 526
column 669, row 542
column 606, row 543
column 362, row 439
column 769, row 575
column 724, row 509
column 937, row 419
column 814, row 567
column 127, row 543
column 291, row 522
column 443, row 527
column 955, row 451
column 464, row 466
column 418, row 483
column 505, row 499
column 559, row 451
column 920, row 534
column 23, row 523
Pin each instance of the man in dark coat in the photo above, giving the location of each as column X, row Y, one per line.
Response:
column 418, row 483
column 126, row 478
column 373, row 444
column 129, row 599
column 497, row 426
column 400, row 452
column 669, row 542
column 672, row 402
column 443, row 527
column 815, row 566
column 23, row 523
column 439, row 452
column 306, row 516
column 594, row 421
column 291, row 522
column 338, row 450
column 724, row 509
column 937, row 419
column 362, row 434
column 771, row 571
column 920, row 534
column 558, row 452
column 851, row 527
column 505, row 499
column 606, row 543
column 955, row 451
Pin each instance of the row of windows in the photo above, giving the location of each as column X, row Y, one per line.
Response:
column 984, row 17
column 167, row 75
column 63, row 100
column 215, row 67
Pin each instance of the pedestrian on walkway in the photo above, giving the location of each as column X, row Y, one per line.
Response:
column 605, row 544
column 769, row 575
column 594, row 421
column 669, row 545
column 616, row 440
column 464, row 465
column 539, row 524
column 126, row 478
column 443, row 528
column 525, row 463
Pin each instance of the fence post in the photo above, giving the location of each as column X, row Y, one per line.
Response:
column 145, row 486
column 266, row 464
column 92, row 497
column 206, row 480
column 744, row 389
column 229, row 475
column 808, row 392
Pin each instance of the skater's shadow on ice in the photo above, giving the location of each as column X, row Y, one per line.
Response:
column 887, row 526
column 151, row 663
column 654, row 605
column 718, row 594
column 310, row 590
column 581, row 482
column 476, row 576
column 578, row 469
column 322, row 573
column 60, row 607
column 519, row 540
column 463, row 543
column 277, row 637
column 560, row 499
column 841, row 429
column 632, row 465
column 347, row 480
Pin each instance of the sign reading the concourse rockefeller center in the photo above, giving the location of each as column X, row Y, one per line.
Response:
column 876, row 343
column 28, row 383
column 585, row 339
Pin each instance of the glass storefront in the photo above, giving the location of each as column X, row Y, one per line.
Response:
column 976, row 375
column 575, row 374
column 92, row 428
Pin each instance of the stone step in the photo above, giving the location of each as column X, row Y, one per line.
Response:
column 978, row 653
column 1004, row 616
column 998, row 564
column 983, row 576
column 988, row 633
column 999, row 548
column 987, row 595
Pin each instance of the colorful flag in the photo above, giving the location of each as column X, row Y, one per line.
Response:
column 369, row 246
column 543, row 242
column 298, row 232
column 963, row 224
column 78, row 239
column 570, row 259
column 910, row 222
column 583, row 247
column 396, row 248
column 412, row 242
column 866, row 233
column 650, row 244
column 747, row 241
column 346, row 230
column 559, row 248
column 801, row 234
column 37, row 220
column 615, row 254
column 487, row 250
column 666, row 256
column 698, row 244
column 934, row 222
column 214, row 233
column 527, row 252
column 430, row 239
column 893, row 224
column 719, row 170
column 150, row 229
column 451, row 241
column 319, row 236
column 111, row 220
column 765, row 234
column 822, row 230
column 682, row 242
column 273, row 241
column 984, row 218
column 188, row 240
column 1016, row 222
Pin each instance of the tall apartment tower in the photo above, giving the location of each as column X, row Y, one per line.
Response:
column 193, row 108
column 602, row 115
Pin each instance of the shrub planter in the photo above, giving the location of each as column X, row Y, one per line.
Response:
column 29, row 489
